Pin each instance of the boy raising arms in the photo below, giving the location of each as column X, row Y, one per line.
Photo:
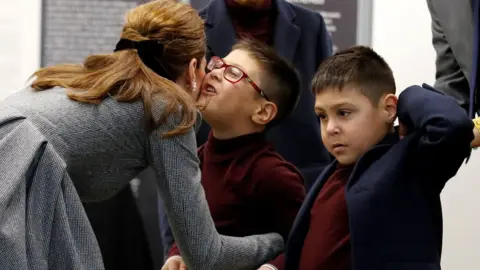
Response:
column 377, row 206
column 249, row 187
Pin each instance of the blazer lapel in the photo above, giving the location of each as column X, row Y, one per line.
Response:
column 286, row 33
column 221, row 35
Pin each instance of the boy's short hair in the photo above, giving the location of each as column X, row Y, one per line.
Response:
column 358, row 67
column 278, row 79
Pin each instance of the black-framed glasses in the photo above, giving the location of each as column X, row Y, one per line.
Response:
column 232, row 73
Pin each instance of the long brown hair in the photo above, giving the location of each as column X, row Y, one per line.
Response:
column 124, row 76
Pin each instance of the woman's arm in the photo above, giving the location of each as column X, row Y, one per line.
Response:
column 177, row 166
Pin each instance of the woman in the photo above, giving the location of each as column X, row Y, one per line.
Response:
column 116, row 114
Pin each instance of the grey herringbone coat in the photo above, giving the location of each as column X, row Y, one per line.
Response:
column 48, row 142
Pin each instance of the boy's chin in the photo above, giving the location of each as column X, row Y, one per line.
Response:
column 211, row 117
column 345, row 160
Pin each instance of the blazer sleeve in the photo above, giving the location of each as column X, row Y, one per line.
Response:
column 442, row 129
column 450, row 78
column 176, row 164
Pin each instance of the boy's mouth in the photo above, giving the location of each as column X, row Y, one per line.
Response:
column 338, row 146
column 209, row 89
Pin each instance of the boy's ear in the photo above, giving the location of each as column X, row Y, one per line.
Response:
column 265, row 113
column 389, row 105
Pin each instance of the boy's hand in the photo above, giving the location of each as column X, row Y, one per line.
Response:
column 476, row 139
column 476, row 133
column 174, row 263
column 402, row 130
column 265, row 268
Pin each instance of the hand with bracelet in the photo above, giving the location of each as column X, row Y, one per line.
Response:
column 476, row 132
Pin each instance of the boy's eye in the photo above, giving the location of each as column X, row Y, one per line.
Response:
column 344, row 113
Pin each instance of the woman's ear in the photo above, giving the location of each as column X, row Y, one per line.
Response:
column 191, row 74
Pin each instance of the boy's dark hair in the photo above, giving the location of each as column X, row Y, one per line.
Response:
column 358, row 67
column 279, row 79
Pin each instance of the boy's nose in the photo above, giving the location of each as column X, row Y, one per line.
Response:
column 332, row 127
column 217, row 74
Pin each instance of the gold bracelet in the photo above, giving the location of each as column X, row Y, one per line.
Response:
column 476, row 122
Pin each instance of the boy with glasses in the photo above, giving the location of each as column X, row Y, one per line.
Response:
column 249, row 187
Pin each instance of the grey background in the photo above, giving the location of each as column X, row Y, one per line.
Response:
column 74, row 29
column 340, row 17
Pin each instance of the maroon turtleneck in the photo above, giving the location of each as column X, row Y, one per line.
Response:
column 250, row 188
column 253, row 21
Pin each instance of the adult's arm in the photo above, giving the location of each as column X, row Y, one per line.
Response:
column 177, row 166
column 449, row 77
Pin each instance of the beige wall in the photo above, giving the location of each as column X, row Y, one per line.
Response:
column 20, row 33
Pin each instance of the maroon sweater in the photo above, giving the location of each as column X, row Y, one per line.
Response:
column 327, row 244
column 250, row 189
column 253, row 22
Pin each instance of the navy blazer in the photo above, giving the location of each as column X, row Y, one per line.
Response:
column 393, row 194
column 300, row 36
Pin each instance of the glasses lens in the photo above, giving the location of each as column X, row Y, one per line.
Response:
column 214, row 63
column 233, row 74
column 211, row 65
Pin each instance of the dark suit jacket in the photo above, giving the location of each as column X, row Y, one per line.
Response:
column 393, row 194
column 300, row 37
column 455, row 29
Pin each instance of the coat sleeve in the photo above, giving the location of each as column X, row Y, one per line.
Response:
column 442, row 129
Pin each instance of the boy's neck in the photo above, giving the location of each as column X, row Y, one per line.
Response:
column 229, row 133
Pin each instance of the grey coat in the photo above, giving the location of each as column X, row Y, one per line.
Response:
column 43, row 224
column 453, row 30
column 102, row 147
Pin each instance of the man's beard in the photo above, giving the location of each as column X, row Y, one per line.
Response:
column 251, row 3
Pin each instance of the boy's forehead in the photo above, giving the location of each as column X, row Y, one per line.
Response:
column 334, row 97
column 242, row 60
